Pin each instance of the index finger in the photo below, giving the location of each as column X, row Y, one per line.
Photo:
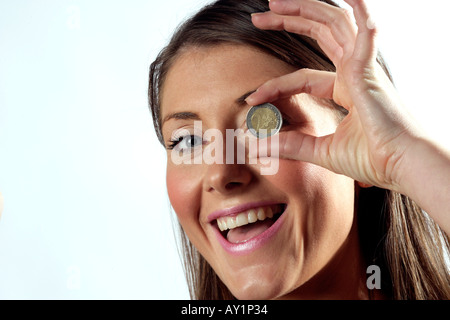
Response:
column 337, row 19
column 314, row 82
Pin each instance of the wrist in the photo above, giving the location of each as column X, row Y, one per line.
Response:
column 425, row 178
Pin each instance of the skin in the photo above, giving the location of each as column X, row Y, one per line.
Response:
column 316, row 253
column 319, row 228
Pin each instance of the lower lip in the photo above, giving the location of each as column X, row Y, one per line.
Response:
column 252, row 244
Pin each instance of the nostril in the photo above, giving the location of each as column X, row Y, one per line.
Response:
column 227, row 177
column 232, row 185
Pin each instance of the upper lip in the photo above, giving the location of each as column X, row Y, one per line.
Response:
column 238, row 209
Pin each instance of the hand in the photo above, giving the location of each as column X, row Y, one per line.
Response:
column 371, row 143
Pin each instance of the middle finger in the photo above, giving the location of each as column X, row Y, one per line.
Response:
column 337, row 19
column 272, row 21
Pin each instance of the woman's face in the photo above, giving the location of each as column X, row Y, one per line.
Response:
column 313, row 208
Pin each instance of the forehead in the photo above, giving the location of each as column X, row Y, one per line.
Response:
column 208, row 74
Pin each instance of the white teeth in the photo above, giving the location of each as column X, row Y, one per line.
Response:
column 261, row 215
column 252, row 216
column 241, row 220
column 269, row 212
column 221, row 225
column 244, row 218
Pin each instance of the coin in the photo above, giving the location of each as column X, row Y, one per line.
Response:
column 264, row 120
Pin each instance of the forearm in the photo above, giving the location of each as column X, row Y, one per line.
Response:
column 426, row 180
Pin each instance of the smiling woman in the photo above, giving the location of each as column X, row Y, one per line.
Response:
column 340, row 198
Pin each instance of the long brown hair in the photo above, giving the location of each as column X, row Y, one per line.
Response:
column 395, row 234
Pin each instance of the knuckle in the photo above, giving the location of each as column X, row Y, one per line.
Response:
column 321, row 31
column 345, row 14
column 306, row 71
column 339, row 16
column 270, row 84
column 270, row 89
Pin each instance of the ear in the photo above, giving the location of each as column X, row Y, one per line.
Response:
column 364, row 185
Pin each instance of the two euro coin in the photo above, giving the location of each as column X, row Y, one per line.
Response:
column 264, row 120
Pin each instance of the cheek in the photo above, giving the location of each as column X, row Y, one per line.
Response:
column 299, row 177
column 328, row 195
column 323, row 203
column 184, row 190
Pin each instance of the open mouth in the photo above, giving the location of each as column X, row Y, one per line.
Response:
column 249, row 224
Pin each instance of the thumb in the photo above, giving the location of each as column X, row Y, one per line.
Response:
column 291, row 145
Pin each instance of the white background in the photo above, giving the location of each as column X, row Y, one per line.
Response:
column 83, row 177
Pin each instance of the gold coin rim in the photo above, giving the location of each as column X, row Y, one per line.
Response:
column 275, row 111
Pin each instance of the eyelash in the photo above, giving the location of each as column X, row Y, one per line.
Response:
column 174, row 142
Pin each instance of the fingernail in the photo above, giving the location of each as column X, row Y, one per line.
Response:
column 370, row 23
column 250, row 96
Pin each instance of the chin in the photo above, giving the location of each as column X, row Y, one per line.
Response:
column 255, row 291
column 261, row 287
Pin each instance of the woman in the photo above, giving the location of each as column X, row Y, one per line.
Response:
column 354, row 169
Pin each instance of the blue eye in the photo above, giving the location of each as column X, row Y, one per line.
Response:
column 186, row 142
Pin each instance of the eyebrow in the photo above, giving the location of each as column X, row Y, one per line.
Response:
column 193, row 116
column 181, row 116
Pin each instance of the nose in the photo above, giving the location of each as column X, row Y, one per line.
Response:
column 227, row 178
column 232, row 171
